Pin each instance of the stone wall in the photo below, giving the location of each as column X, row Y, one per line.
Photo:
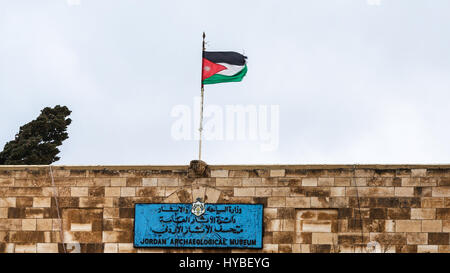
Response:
column 320, row 208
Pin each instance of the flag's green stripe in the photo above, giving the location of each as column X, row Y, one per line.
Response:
column 221, row 78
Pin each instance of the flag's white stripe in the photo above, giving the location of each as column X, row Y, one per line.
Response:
column 231, row 69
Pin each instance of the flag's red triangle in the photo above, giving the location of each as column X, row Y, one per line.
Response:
column 210, row 68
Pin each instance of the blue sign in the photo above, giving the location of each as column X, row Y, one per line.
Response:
column 217, row 225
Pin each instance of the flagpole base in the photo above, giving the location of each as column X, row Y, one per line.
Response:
column 198, row 168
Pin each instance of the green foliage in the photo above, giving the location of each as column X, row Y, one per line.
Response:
column 37, row 141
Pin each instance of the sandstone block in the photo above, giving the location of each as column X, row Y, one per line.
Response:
column 432, row 202
column 263, row 191
column 404, row 191
column 6, row 248
column 444, row 249
column 303, row 237
column 446, row 225
column 149, row 182
column 287, row 225
column 6, row 182
column 111, row 248
column 441, row 191
column 298, row 202
column 315, row 226
column 25, row 248
column 6, row 202
column 427, row 249
column 126, row 248
column 254, row 182
column 281, row 191
column 81, row 226
column 3, row 213
column 320, row 202
column 283, row 237
column 79, row 191
column 274, row 225
column 228, row 182
column 172, row 199
column 423, row 213
column 419, row 172
column 370, row 191
column 134, row 181
column 277, row 173
column 244, row 191
column 44, row 224
column 168, row 182
column 23, row 191
column 342, row 182
column 276, row 201
column 270, row 213
column 325, row 181
column 337, row 191
column 417, row 238
column 322, row 238
column 104, row 182
column 389, row 226
column 438, row 238
column 309, row 182
column 410, row 182
column 443, row 213
column 119, row 182
column 112, row 191
column 41, row 202
column 47, row 248
column 238, row 173
column 127, row 191
column 29, row 224
column 96, row 202
column 270, row 248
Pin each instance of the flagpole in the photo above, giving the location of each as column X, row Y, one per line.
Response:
column 200, row 129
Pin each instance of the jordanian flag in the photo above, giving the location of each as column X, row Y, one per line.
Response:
column 223, row 67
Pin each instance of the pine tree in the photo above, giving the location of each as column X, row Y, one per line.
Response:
column 37, row 141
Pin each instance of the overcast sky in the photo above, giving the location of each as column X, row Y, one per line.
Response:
column 355, row 82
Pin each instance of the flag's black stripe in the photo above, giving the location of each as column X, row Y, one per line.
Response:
column 225, row 57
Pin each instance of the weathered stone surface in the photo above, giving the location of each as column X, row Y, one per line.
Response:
column 312, row 182
column 219, row 173
column 277, row 173
column 431, row 226
column 283, row 237
column 419, row 172
column 398, row 213
column 212, row 195
column 417, row 238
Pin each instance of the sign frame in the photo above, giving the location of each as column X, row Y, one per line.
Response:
column 204, row 247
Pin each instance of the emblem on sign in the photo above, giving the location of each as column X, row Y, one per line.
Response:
column 198, row 208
